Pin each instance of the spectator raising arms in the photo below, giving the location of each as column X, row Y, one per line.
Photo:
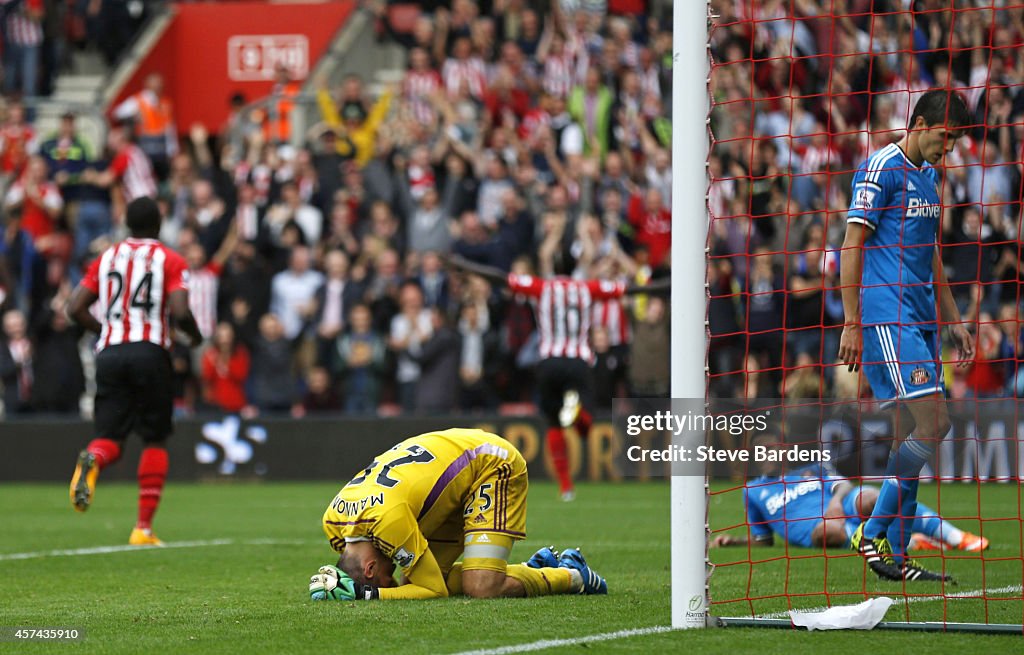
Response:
column 532, row 137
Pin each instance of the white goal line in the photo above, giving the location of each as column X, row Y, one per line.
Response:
column 974, row 593
column 544, row 644
column 572, row 641
column 103, row 550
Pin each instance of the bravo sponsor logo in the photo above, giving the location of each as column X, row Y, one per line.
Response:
column 917, row 208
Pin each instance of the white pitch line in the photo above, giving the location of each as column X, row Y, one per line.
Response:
column 554, row 643
column 974, row 593
column 103, row 550
column 279, row 542
column 622, row 634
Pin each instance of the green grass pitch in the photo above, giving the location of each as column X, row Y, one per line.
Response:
column 242, row 587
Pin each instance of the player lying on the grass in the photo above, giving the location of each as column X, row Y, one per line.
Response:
column 426, row 502
column 814, row 507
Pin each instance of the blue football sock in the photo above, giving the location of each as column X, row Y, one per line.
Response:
column 900, row 529
column 887, row 505
column 930, row 523
column 910, row 459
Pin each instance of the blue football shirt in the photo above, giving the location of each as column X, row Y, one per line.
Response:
column 900, row 203
column 789, row 506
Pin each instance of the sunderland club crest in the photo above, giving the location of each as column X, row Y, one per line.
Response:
column 919, row 376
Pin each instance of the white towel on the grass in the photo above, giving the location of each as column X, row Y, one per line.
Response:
column 862, row 616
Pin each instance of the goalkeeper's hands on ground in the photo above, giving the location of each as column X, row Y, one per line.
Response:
column 331, row 583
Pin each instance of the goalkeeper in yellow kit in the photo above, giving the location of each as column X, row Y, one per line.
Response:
column 428, row 501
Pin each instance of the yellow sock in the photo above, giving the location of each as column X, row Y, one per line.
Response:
column 545, row 582
column 454, row 580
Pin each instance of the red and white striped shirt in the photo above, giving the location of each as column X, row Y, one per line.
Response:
column 576, row 47
column 904, row 95
column 818, row 158
column 133, row 280
column 471, row 71
column 202, row 297
column 611, row 315
column 418, row 86
column 650, row 83
column 563, row 307
column 135, row 173
column 559, row 75
column 247, row 222
column 24, row 23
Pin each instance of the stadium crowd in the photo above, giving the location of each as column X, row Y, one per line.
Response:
column 801, row 98
column 39, row 36
column 533, row 137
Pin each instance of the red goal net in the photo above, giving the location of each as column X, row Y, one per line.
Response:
column 803, row 92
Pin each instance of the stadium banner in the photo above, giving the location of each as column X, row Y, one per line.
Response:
column 282, row 448
column 213, row 50
column 741, row 436
column 986, row 442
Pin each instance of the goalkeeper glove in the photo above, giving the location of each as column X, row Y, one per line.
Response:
column 331, row 583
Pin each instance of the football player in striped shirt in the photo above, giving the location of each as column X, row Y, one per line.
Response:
column 563, row 307
column 892, row 277
column 142, row 291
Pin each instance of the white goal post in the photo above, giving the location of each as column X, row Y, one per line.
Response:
column 690, row 71
column 689, row 535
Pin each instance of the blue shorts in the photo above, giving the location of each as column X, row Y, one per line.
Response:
column 853, row 520
column 902, row 362
column 798, row 531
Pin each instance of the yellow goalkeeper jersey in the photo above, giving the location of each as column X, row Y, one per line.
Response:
column 422, row 486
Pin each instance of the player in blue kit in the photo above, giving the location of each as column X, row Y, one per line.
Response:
column 795, row 506
column 890, row 272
